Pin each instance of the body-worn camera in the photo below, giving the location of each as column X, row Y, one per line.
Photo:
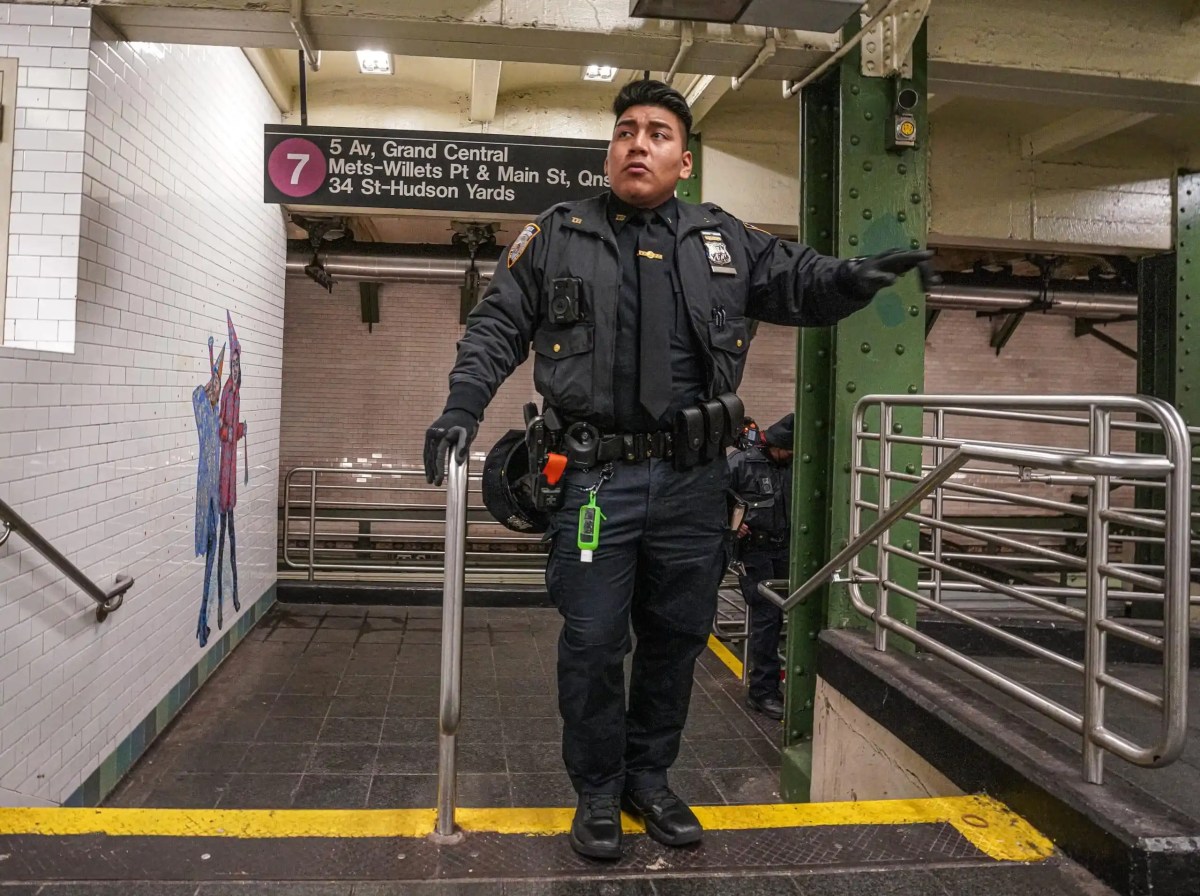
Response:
column 566, row 302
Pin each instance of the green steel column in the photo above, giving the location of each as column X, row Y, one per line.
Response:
column 689, row 189
column 1187, row 296
column 858, row 198
column 1168, row 321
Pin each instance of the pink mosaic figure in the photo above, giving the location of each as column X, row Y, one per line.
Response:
column 230, row 431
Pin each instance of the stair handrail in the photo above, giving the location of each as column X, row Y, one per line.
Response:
column 107, row 601
column 1173, row 467
column 967, row 451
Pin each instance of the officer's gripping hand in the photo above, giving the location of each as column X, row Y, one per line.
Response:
column 866, row 276
column 456, row 428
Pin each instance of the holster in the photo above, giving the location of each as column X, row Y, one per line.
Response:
column 704, row 431
column 542, row 437
column 689, row 437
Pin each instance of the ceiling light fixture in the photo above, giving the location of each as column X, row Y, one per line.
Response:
column 599, row 72
column 375, row 62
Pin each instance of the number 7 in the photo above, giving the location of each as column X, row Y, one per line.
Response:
column 302, row 159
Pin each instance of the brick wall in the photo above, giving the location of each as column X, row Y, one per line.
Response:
column 363, row 399
column 98, row 449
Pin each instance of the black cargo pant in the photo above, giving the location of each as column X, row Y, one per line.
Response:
column 658, row 566
column 766, row 620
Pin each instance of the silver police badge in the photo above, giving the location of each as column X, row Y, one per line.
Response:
column 719, row 258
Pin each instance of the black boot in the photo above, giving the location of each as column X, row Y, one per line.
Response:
column 596, row 830
column 770, row 706
column 668, row 818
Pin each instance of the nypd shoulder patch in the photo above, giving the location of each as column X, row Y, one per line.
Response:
column 519, row 245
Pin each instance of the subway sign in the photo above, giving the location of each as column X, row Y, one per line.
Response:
column 425, row 170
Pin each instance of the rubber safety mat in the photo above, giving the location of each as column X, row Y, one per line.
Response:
column 207, row 845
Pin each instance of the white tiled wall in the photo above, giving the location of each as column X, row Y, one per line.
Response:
column 98, row 449
column 50, row 44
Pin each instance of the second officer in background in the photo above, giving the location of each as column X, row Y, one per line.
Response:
column 761, row 476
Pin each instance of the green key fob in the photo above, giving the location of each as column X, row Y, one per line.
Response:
column 590, row 517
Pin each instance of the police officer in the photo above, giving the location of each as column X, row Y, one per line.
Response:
column 637, row 308
column 761, row 476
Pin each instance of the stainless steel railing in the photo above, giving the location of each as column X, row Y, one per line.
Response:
column 450, row 701
column 389, row 523
column 1118, row 469
column 107, row 601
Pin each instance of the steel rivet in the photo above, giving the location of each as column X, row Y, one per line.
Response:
column 899, row 349
column 867, row 213
column 808, row 387
column 912, row 390
column 902, row 168
column 854, row 141
column 900, row 216
column 867, row 166
column 910, row 468
column 897, row 428
column 869, row 116
column 854, row 88
column 916, row 198
column 853, row 240
column 865, row 347
column 851, row 387
column 854, row 192
column 913, row 311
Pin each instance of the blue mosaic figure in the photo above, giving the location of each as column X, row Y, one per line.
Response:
column 208, row 475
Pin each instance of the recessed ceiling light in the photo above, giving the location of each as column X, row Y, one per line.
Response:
column 599, row 72
column 374, row 62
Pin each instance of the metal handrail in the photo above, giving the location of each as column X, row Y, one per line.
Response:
column 450, row 700
column 423, row 553
column 1098, row 469
column 107, row 601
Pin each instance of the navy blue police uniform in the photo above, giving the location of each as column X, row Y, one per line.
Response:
column 698, row 275
column 765, row 485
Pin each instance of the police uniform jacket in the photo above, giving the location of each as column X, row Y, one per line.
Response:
column 728, row 273
column 766, row 487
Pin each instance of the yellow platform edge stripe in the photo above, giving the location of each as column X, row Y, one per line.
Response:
column 989, row 825
column 725, row 655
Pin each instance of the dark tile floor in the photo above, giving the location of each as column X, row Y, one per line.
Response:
column 335, row 707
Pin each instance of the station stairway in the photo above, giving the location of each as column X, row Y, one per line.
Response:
column 307, row 765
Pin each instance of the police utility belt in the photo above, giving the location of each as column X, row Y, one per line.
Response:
column 700, row 434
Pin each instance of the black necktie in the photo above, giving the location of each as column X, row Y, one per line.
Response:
column 655, row 302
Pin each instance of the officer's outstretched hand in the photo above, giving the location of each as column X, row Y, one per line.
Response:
column 875, row 272
column 455, row 427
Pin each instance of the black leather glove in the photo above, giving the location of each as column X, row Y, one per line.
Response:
column 455, row 427
column 866, row 276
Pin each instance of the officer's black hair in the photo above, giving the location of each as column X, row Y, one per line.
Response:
column 654, row 93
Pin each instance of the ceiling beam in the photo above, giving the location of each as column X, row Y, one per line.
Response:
column 704, row 93
column 1134, row 58
column 1078, row 130
column 485, row 87
column 278, row 85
